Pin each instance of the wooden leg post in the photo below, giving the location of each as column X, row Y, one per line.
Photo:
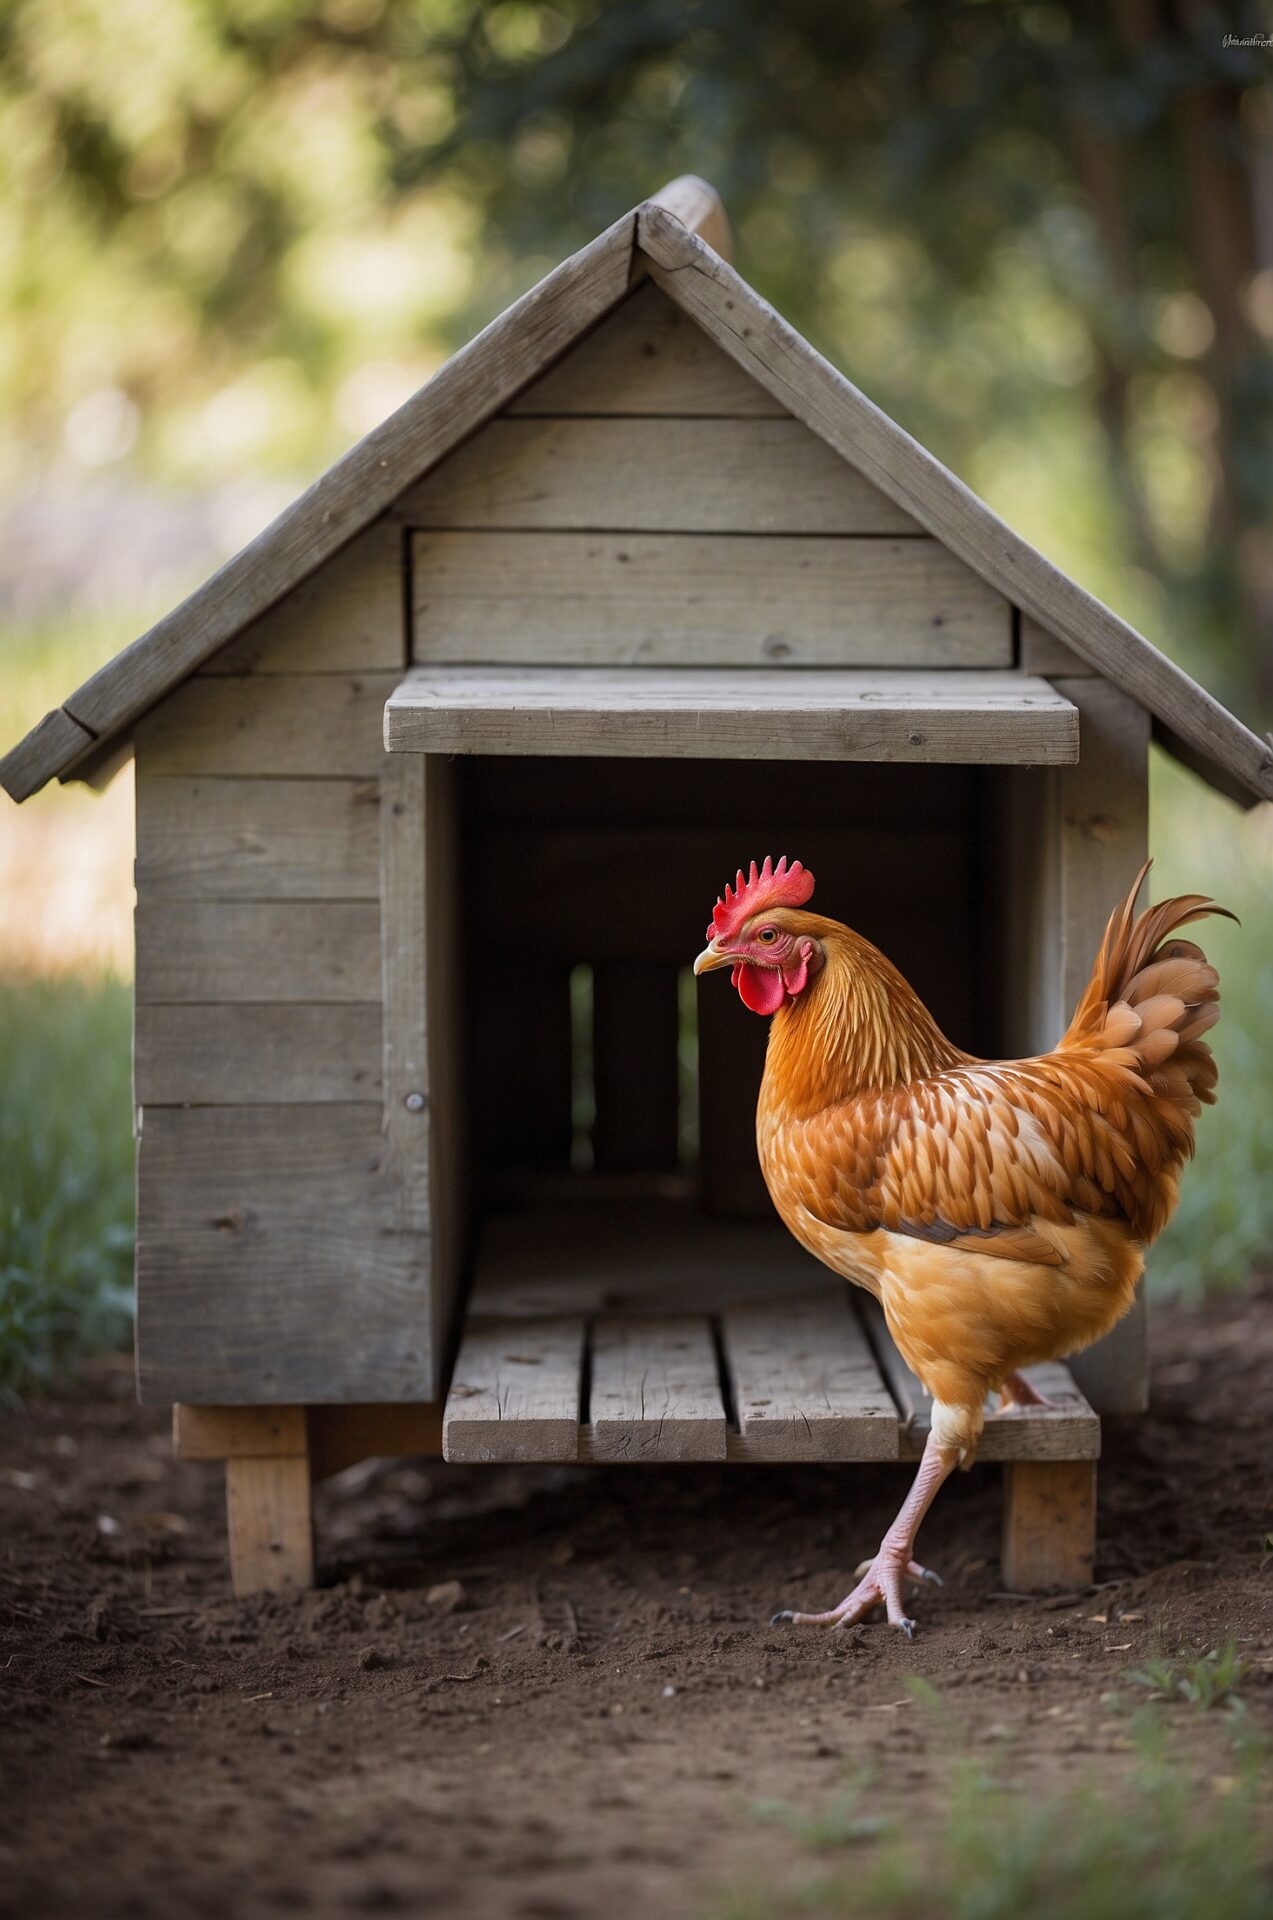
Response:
column 267, row 1486
column 1049, row 1524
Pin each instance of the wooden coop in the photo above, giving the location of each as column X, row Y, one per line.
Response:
column 436, row 782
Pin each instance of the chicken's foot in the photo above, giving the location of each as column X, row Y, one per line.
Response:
column 880, row 1582
column 1016, row 1394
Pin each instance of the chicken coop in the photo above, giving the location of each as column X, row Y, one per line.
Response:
column 438, row 1148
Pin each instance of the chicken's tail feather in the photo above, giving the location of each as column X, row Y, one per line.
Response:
column 1153, row 997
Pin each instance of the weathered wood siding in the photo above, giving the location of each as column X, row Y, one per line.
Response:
column 646, row 502
column 285, row 1247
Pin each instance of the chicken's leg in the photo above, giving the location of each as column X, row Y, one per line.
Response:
column 881, row 1583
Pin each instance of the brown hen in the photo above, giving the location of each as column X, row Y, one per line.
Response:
column 999, row 1211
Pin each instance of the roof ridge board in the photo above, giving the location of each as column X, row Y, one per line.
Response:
column 710, row 291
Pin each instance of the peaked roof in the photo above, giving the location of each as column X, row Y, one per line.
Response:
column 679, row 238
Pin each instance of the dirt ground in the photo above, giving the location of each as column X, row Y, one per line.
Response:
column 595, row 1710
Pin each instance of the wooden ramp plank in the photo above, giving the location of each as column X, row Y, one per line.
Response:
column 656, row 1391
column 515, row 1391
column 806, row 1384
column 1067, row 1431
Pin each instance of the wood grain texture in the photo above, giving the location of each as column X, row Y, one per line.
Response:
column 226, row 1433
column 1104, row 835
column 650, row 475
column 53, row 744
column 701, row 599
column 274, row 1262
column 806, row 1384
column 809, row 387
column 647, row 357
column 256, row 839
column 423, row 1021
column 655, row 1391
column 1041, row 652
column 278, row 724
column 514, row 1394
column 473, row 384
column 1049, row 1525
column 226, row 951
column 697, row 206
column 830, row 715
column 345, row 618
column 269, row 1523
column 1069, row 1430
column 254, row 1054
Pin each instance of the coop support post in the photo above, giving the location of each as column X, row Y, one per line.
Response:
column 267, row 1489
column 1049, row 1524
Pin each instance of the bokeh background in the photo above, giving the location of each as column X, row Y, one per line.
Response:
column 234, row 234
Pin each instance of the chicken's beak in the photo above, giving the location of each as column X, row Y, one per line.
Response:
column 711, row 958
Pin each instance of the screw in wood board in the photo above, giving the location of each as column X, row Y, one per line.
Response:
column 414, row 1103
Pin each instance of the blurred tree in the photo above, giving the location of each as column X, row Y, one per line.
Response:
column 234, row 234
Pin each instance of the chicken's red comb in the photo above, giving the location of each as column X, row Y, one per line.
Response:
column 770, row 886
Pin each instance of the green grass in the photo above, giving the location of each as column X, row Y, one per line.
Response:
column 1164, row 1842
column 1205, row 1680
column 66, row 1175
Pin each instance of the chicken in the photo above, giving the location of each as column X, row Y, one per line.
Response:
column 999, row 1211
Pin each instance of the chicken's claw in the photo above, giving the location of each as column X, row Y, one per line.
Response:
column 879, row 1584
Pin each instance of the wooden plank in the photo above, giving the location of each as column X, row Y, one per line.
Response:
column 340, row 1437
column 806, row 1385
column 1104, row 835
column 228, row 1433
column 280, row 724
column 423, row 1039
column 52, row 746
column 697, row 206
column 1041, row 652
column 1049, row 1524
column 269, row 1524
column 655, row 1391
column 473, row 384
column 598, row 599
column 402, row 960
column 647, row 357
column 651, row 475
column 1069, row 1430
column 830, row 715
column 769, row 350
column 345, row 618
column 447, row 956
column 257, row 950
column 274, row 1265
column 634, row 1064
column 256, row 839
column 254, row 1054
column 515, row 1391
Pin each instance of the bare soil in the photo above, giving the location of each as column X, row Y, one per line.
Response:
column 594, row 1711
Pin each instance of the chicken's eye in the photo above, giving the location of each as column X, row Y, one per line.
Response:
column 769, row 935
